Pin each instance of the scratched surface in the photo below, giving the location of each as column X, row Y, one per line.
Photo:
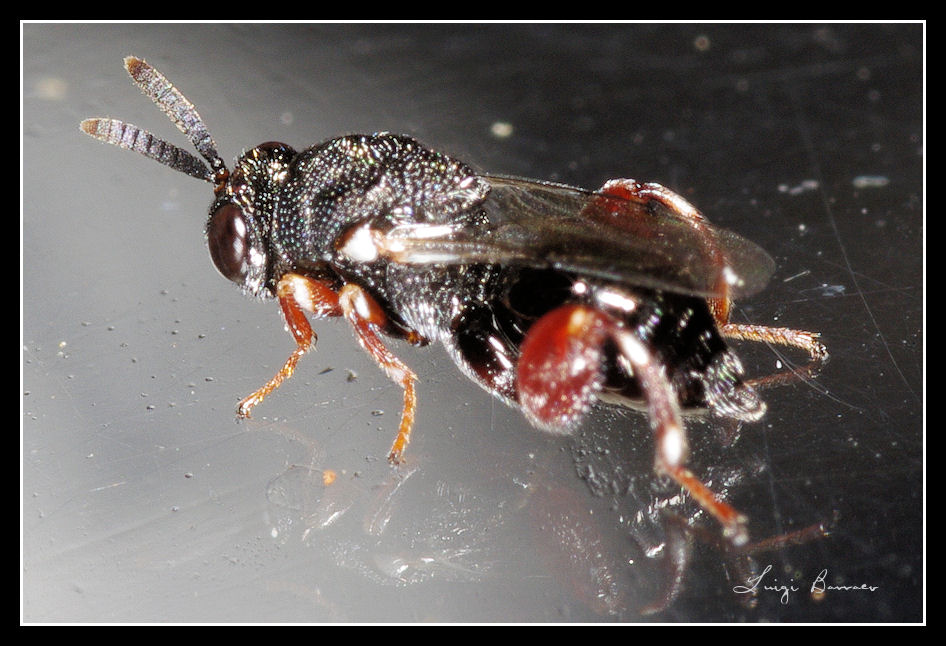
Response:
column 143, row 500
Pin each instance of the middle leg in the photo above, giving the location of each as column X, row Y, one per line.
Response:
column 366, row 318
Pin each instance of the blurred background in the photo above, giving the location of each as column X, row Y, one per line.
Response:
column 144, row 501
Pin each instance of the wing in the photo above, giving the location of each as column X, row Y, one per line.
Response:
column 531, row 223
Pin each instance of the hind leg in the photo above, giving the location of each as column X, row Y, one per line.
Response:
column 560, row 373
column 650, row 195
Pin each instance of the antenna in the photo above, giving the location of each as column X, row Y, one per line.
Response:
column 179, row 110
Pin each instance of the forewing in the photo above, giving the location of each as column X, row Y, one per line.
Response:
column 592, row 234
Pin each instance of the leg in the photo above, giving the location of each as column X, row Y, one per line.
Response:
column 649, row 193
column 297, row 295
column 367, row 317
column 671, row 437
column 807, row 341
column 677, row 551
column 559, row 369
column 652, row 193
column 559, row 375
column 679, row 538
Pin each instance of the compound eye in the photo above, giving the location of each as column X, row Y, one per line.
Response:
column 226, row 237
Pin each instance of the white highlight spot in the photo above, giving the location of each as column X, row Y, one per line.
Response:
column 422, row 231
column 361, row 306
column 633, row 349
column 870, row 181
column 673, row 445
column 501, row 129
column 359, row 245
column 805, row 186
column 301, row 293
column 617, row 300
column 731, row 277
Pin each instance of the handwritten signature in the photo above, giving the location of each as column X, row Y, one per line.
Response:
column 819, row 586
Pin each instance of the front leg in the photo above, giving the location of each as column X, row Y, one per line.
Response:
column 297, row 295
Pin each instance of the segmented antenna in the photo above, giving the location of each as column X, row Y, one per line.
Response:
column 181, row 111
column 130, row 137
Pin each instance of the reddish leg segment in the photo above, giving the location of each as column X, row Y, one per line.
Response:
column 668, row 427
column 300, row 294
column 367, row 318
column 644, row 193
column 297, row 295
column 807, row 341
column 559, row 369
column 800, row 339
column 559, row 375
